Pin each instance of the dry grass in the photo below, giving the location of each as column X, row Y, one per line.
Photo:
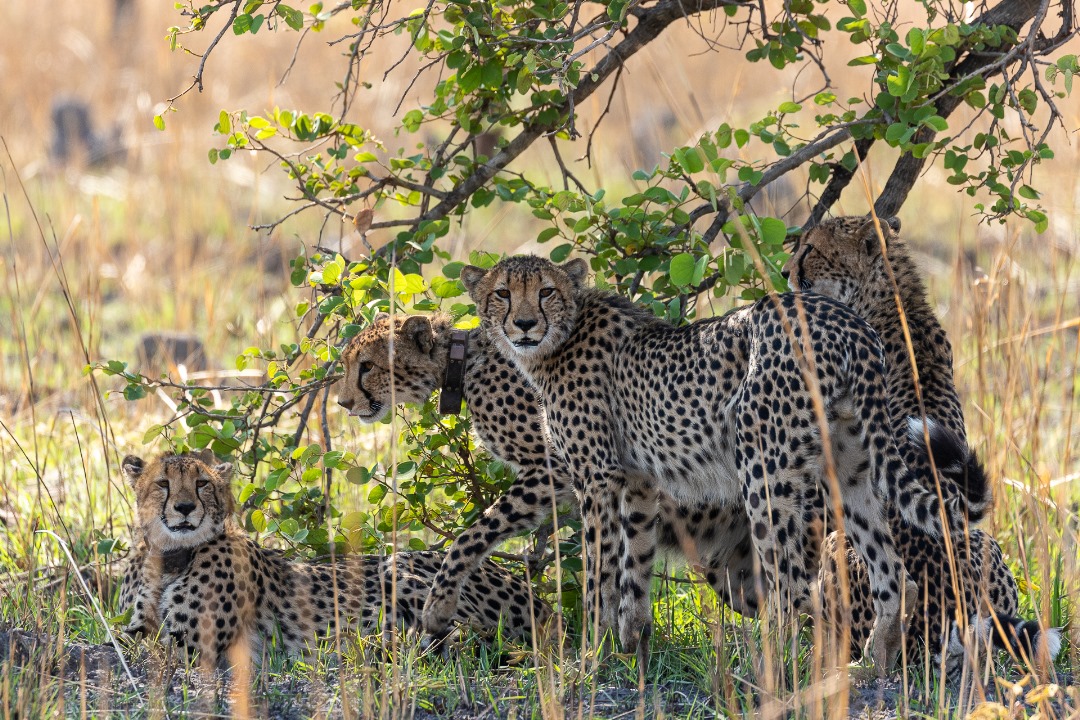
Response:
column 162, row 242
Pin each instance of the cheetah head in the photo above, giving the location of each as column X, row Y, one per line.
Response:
column 415, row 359
column 839, row 256
column 527, row 304
column 181, row 501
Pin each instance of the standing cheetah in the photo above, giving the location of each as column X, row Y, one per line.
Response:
column 203, row 583
column 842, row 258
column 508, row 420
column 738, row 404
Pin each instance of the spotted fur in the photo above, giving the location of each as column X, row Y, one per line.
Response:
column 843, row 258
column 715, row 411
column 200, row 581
column 508, row 420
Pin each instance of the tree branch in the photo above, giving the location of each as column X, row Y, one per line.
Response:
column 650, row 24
column 1012, row 13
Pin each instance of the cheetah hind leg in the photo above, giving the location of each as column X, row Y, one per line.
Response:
column 638, row 513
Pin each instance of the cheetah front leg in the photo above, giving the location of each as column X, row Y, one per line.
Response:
column 600, row 498
column 529, row 501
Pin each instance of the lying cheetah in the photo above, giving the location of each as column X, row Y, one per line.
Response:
column 202, row 582
column 842, row 258
column 507, row 418
column 713, row 409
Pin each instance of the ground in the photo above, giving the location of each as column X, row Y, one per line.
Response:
column 318, row 692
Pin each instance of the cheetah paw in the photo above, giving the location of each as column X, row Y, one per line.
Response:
column 437, row 616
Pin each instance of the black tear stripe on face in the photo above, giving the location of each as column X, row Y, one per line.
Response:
column 506, row 315
column 803, row 282
column 363, row 390
column 543, row 314
column 165, row 505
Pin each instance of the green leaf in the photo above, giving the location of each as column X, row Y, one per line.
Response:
column 492, row 75
column 470, row 80
column 699, row 270
column 1026, row 191
column 354, row 520
column 412, row 120
column 546, row 234
column 293, row 18
column 377, row 494
column 858, row 7
column 894, row 132
column 916, row 41
column 242, row 23
column 159, row 122
column 899, row 83
column 258, row 520
column 773, row 231
column 152, row 434
column 690, row 159
column 789, row 107
column 681, row 269
column 561, row 252
column 445, row 288
column 937, row 122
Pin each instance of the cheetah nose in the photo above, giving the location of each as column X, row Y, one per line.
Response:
column 525, row 325
column 345, row 403
column 184, row 508
column 786, row 274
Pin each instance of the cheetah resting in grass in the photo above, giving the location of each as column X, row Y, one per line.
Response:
column 199, row 580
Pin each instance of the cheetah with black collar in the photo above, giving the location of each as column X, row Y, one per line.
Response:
column 508, row 420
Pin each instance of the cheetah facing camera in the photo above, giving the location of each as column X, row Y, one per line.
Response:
column 199, row 580
column 842, row 258
column 716, row 410
column 508, row 420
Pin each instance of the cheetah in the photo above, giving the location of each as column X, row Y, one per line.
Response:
column 722, row 406
column 201, row 582
column 842, row 258
column 508, row 420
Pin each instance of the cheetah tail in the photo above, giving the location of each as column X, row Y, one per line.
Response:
column 1023, row 638
column 956, row 462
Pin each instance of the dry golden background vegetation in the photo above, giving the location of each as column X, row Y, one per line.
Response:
column 160, row 240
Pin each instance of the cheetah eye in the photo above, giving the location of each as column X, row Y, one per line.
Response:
column 366, row 366
column 163, row 484
column 503, row 293
column 546, row 292
column 201, row 483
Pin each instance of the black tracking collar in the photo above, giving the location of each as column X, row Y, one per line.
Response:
column 454, row 383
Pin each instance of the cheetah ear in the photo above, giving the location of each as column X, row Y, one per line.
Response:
column 471, row 276
column 869, row 234
column 133, row 467
column 577, row 270
column 206, row 456
column 379, row 317
column 223, row 470
column 418, row 329
column 894, row 223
